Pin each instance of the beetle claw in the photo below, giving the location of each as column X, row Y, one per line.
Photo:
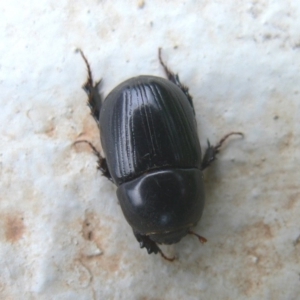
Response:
column 175, row 79
column 102, row 165
column 92, row 90
column 224, row 138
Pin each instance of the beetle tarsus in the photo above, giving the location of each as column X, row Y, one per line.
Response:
column 175, row 79
column 102, row 164
column 212, row 151
column 151, row 246
column 92, row 90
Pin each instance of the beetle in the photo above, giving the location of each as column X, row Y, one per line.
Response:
column 152, row 154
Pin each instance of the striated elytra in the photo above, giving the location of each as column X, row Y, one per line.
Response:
column 152, row 154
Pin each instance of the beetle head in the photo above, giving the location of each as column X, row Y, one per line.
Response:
column 163, row 204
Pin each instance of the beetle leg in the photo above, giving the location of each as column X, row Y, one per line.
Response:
column 92, row 90
column 211, row 152
column 102, row 164
column 146, row 242
column 175, row 79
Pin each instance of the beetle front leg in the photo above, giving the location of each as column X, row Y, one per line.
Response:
column 212, row 151
column 175, row 79
column 102, row 164
column 92, row 90
column 146, row 242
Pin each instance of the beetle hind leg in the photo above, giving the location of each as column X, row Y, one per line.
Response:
column 175, row 79
column 146, row 242
column 211, row 152
column 92, row 90
column 102, row 164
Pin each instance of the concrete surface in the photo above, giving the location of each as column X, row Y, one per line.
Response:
column 62, row 233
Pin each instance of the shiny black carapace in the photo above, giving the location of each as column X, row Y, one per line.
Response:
column 153, row 155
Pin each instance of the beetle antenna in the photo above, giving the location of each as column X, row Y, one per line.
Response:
column 201, row 238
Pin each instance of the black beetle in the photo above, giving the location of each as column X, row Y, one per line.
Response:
column 149, row 136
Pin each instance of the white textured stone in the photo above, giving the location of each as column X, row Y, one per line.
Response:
column 62, row 233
